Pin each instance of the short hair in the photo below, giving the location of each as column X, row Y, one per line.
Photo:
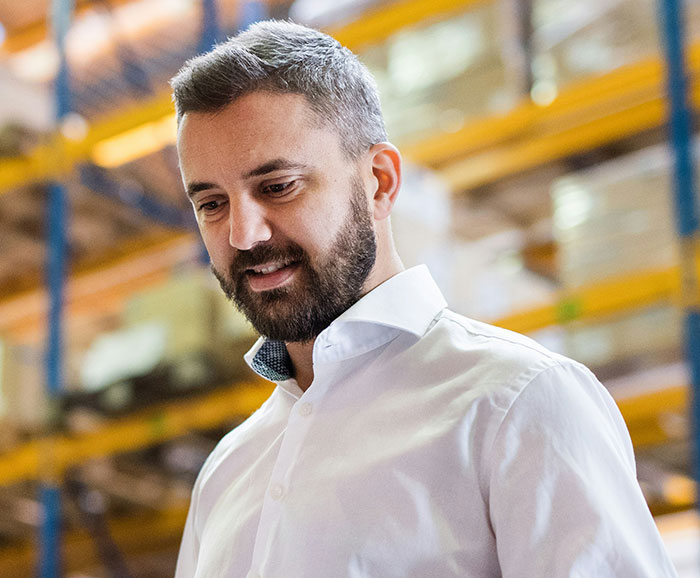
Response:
column 284, row 57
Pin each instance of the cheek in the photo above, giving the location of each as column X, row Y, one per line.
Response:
column 215, row 240
column 335, row 216
column 304, row 224
column 319, row 232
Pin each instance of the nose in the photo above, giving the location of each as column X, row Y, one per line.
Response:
column 248, row 224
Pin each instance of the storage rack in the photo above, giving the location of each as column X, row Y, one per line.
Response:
column 584, row 116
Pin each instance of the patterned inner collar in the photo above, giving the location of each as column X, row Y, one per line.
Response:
column 272, row 361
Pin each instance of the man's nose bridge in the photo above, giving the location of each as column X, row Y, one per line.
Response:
column 247, row 224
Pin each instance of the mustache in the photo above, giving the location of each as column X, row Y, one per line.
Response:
column 260, row 254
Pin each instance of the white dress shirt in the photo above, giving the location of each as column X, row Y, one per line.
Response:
column 428, row 446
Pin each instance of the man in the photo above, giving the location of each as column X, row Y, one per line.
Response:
column 402, row 440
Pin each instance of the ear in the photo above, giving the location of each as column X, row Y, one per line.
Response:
column 386, row 168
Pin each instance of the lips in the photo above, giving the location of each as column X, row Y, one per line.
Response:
column 271, row 275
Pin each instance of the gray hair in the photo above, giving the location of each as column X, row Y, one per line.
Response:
column 283, row 57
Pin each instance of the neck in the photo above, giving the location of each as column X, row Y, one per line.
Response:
column 302, row 360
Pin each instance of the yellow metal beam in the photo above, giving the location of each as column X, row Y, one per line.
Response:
column 584, row 116
column 45, row 164
column 651, row 416
column 582, row 101
column 623, row 293
column 528, row 152
column 154, row 531
column 20, row 38
column 149, row 532
column 377, row 24
column 173, row 420
column 57, row 157
column 133, row 432
column 102, row 287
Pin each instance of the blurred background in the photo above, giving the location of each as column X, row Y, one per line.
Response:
column 539, row 190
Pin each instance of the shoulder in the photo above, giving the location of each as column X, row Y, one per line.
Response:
column 485, row 354
column 480, row 333
column 497, row 372
column 523, row 391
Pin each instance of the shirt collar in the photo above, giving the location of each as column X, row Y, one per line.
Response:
column 409, row 302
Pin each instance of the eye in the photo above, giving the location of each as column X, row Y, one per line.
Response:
column 209, row 206
column 279, row 189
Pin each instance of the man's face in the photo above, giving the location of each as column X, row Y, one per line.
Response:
column 282, row 211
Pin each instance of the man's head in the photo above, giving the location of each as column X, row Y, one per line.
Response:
column 291, row 191
column 286, row 58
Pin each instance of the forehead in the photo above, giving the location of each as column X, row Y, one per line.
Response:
column 253, row 129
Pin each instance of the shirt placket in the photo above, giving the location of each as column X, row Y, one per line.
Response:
column 279, row 491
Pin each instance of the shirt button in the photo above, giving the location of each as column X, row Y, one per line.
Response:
column 276, row 492
column 306, row 409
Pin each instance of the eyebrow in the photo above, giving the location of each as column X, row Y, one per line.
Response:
column 264, row 169
column 194, row 188
column 274, row 165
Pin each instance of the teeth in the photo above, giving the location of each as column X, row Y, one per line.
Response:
column 270, row 268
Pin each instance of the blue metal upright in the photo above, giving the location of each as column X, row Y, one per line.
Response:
column 211, row 31
column 686, row 199
column 252, row 11
column 50, row 536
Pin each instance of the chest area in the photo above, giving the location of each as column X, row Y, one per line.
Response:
column 353, row 490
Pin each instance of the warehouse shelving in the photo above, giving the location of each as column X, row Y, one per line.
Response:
column 164, row 524
column 33, row 33
column 102, row 288
column 134, row 432
column 105, row 289
column 585, row 116
column 173, row 420
column 140, row 534
column 156, row 425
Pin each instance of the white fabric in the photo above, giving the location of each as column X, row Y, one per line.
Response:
column 428, row 446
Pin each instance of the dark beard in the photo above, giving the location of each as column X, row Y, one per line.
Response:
column 320, row 292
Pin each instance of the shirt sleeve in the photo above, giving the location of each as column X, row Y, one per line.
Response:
column 187, row 557
column 564, row 499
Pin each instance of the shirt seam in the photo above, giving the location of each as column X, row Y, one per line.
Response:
column 543, row 352
column 509, row 408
